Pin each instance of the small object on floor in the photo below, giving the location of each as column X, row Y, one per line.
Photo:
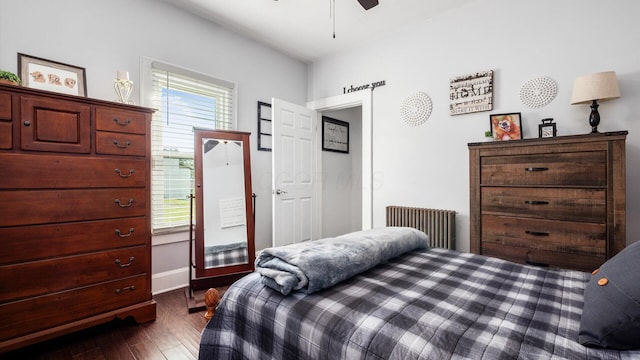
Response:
column 211, row 298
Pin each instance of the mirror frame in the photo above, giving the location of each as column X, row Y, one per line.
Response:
column 220, row 276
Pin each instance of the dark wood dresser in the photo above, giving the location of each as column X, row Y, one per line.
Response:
column 75, row 242
column 557, row 202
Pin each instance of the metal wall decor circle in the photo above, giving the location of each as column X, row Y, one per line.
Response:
column 538, row 92
column 416, row 108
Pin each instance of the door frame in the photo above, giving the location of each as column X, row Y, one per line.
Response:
column 363, row 99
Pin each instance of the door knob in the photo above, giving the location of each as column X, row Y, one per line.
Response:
column 278, row 192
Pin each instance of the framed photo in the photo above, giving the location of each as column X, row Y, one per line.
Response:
column 547, row 128
column 506, row 126
column 50, row 75
column 335, row 135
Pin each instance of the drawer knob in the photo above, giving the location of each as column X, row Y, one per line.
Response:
column 536, row 233
column 131, row 201
column 124, row 175
column 536, row 202
column 117, row 144
column 536, row 169
column 124, row 123
column 130, row 288
column 124, row 235
column 27, row 123
column 119, row 263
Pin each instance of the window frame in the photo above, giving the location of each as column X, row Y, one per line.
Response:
column 147, row 65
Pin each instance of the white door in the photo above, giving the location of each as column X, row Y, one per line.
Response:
column 295, row 168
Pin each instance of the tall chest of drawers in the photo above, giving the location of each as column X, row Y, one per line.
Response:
column 557, row 202
column 75, row 246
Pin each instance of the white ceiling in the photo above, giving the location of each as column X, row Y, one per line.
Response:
column 304, row 28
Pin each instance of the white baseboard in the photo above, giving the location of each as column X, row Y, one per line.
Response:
column 169, row 280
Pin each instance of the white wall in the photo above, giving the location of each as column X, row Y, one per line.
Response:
column 106, row 36
column 428, row 165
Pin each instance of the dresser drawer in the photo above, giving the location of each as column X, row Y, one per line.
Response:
column 6, row 138
column 571, row 238
column 30, row 207
column 544, row 258
column 588, row 205
column 118, row 120
column 59, row 172
column 5, row 106
column 30, row 315
column 51, row 171
column 111, row 143
column 571, row 168
column 58, row 274
column 20, row 244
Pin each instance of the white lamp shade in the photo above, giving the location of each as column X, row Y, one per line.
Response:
column 599, row 86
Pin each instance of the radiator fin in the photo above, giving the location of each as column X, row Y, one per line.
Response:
column 440, row 225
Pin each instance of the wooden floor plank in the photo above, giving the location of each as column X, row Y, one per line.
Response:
column 146, row 350
column 112, row 348
column 94, row 354
column 174, row 335
column 179, row 353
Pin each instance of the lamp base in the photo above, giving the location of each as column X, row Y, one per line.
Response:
column 594, row 118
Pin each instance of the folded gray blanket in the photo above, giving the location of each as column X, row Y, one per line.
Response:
column 314, row 265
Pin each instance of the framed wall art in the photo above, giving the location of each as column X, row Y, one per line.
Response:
column 471, row 93
column 506, row 126
column 51, row 75
column 335, row 135
column 265, row 133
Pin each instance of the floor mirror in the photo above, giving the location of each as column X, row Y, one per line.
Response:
column 224, row 247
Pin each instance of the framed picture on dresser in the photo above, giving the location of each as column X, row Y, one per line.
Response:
column 506, row 126
column 38, row 73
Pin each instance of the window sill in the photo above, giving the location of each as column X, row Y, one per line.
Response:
column 163, row 238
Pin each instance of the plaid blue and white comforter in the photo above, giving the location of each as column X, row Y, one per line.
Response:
column 427, row 304
column 235, row 254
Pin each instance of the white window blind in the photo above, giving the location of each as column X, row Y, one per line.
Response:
column 183, row 100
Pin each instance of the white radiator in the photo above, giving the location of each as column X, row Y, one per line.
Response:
column 440, row 225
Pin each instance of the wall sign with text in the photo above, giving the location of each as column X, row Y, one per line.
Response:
column 335, row 135
column 373, row 85
column 471, row 93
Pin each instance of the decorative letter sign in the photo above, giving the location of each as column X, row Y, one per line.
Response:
column 471, row 93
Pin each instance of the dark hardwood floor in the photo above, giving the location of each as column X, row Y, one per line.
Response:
column 174, row 335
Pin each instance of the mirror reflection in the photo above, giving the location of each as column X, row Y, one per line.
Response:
column 224, row 228
column 225, row 214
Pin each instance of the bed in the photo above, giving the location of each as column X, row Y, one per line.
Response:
column 428, row 303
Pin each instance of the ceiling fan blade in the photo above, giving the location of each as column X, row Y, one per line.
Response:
column 368, row 4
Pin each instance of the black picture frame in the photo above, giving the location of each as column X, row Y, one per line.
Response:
column 43, row 74
column 335, row 135
column 506, row 126
column 265, row 132
column 547, row 128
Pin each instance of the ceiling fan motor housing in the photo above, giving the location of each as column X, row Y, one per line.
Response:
column 368, row 4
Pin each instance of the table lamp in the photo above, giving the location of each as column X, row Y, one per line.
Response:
column 593, row 87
